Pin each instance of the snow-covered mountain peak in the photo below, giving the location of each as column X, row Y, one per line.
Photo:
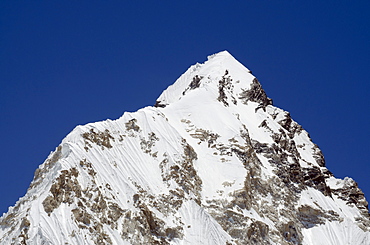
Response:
column 221, row 67
column 213, row 162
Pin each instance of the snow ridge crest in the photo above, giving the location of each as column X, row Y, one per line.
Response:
column 206, row 75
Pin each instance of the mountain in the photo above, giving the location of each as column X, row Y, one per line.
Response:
column 212, row 162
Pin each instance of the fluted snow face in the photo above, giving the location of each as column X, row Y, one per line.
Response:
column 214, row 162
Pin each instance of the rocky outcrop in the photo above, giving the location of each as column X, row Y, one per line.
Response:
column 100, row 138
column 159, row 104
column 64, row 189
column 225, row 89
column 255, row 94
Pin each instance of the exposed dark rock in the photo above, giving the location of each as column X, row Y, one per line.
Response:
column 286, row 123
column 285, row 143
column 158, row 104
column 363, row 221
column 223, row 85
column 265, row 125
column 196, row 82
column 319, row 157
column 262, row 147
column 154, row 224
column 293, row 173
column 310, row 216
column 92, row 224
column 243, row 197
column 144, row 226
column 82, row 216
column 100, row 138
column 131, row 125
column 64, row 189
column 24, row 227
column 291, row 233
column 114, row 212
column 88, row 167
column 315, row 178
column 255, row 94
column 183, row 173
column 352, row 194
column 242, row 229
column 172, row 233
column 147, row 145
column 205, row 136
column 290, row 171
column 258, row 233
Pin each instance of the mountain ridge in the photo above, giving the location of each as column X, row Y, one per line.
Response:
column 180, row 173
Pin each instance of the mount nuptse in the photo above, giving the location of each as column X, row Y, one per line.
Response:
column 213, row 162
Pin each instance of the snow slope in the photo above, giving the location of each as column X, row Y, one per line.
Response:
column 213, row 162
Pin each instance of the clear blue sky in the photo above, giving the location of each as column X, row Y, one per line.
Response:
column 65, row 63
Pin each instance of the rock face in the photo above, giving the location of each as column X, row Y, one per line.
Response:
column 213, row 162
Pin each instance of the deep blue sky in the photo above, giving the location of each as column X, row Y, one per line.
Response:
column 65, row 63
